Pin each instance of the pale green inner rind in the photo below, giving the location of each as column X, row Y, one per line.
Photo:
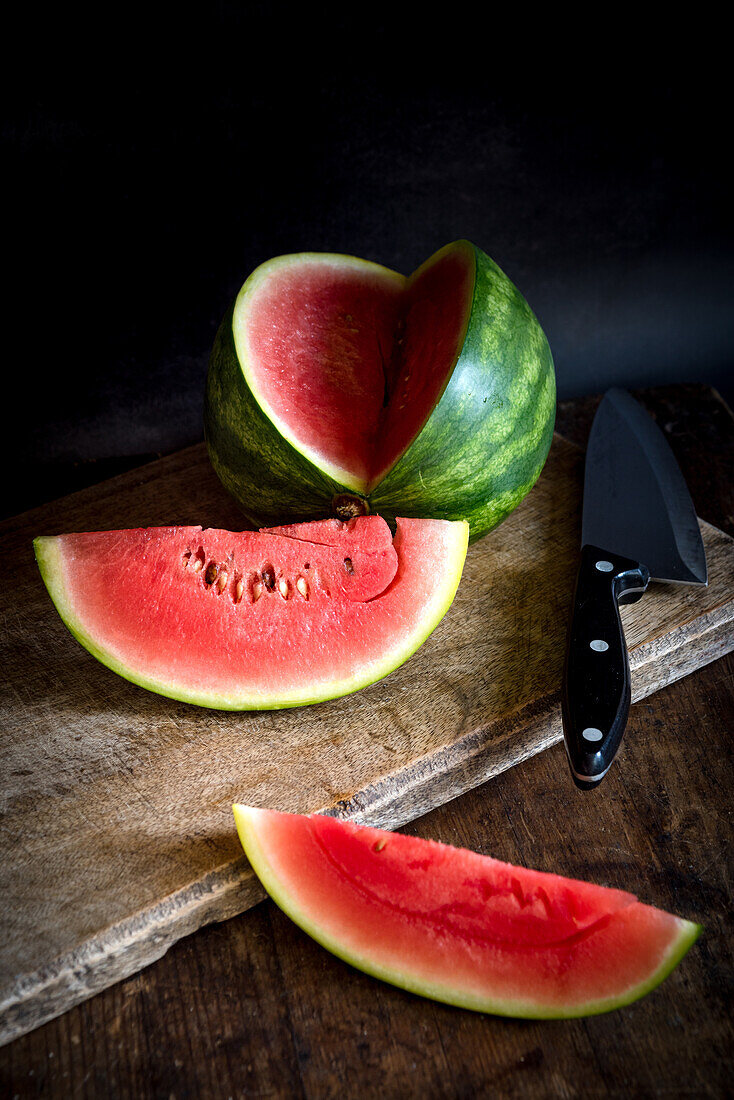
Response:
column 51, row 566
column 247, row 819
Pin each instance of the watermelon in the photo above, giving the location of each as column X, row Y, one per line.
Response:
column 338, row 386
column 255, row 620
column 460, row 927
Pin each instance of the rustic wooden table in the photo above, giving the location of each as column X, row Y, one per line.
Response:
column 252, row 1007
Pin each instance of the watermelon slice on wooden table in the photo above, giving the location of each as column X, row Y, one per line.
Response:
column 460, row 927
column 255, row 620
column 338, row 386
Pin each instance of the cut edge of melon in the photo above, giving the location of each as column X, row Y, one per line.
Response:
column 249, row 289
column 249, row 818
column 51, row 568
column 337, row 473
column 469, row 250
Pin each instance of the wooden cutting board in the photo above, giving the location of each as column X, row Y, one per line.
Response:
column 116, row 832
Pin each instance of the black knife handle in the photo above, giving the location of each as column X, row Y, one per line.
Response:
column 596, row 680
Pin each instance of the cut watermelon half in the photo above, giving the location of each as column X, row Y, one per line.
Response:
column 348, row 358
column 255, row 620
column 337, row 386
column 460, row 927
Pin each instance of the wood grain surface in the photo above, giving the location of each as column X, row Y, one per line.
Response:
column 252, row 1007
column 116, row 830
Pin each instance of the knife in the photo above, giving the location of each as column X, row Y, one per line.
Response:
column 638, row 524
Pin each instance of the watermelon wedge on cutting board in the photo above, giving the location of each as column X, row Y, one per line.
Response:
column 255, row 620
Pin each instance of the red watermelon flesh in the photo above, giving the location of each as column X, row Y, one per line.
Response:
column 374, row 538
column 349, row 358
column 458, row 926
column 251, row 620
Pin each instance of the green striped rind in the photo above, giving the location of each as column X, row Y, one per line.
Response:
column 252, row 830
column 270, row 479
column 484, row 445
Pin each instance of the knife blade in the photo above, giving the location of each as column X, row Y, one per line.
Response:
column 638, row 524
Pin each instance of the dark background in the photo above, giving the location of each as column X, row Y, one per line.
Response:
column 150, row 168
